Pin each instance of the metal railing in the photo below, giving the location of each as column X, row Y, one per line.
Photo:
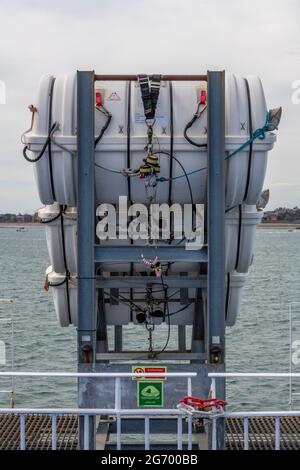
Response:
column 118, row 412
column 246, row 415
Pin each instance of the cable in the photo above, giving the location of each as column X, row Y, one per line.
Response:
column 186, row 175
column 49, row 144
column 239, row 236
column 155, row 354
column 180, row 310
column 36, row 159
column 108, row 115
column 62, row 210
column 171, row 140
column 197, row 115
column 251, row 144
column 48, row 221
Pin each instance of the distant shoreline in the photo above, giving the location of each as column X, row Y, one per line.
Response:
column 16, row 225
column 279, row 226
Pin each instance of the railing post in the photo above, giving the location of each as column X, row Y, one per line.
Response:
column 277, row 433
column 86, row 432
column 118, row 408
column 54, row 432
column 147, row 433
column 22, row 432
column 246, row 433
column 179, row 433
column 190, row 418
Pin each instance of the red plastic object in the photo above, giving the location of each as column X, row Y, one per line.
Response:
column 201, row 403
column 98, row 98
column 203, row 97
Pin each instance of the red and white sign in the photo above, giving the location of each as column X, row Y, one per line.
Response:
column 149, row 370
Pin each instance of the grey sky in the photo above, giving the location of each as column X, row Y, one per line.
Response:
column 164, row 36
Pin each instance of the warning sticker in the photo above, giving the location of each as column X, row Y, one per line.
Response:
column 150, row 394
column 149, row 370
column 114, row 96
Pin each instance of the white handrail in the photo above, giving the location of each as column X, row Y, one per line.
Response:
column 97, row 374
column 253, row 374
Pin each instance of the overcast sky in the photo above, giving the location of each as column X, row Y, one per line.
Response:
column 146, row 36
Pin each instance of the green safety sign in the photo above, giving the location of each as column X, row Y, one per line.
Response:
column 150, row 394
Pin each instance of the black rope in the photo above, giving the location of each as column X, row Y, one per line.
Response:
column 171, row 153
column 239, row 237
column 101, row 133
column 166, row 307
column 49, row 144
column 251, row 143
column 189, row 125
column 171, row 140
column 36, row 159
column 129, row 179
column 51, row 284
column 227, row 295
column 162, row 152
column 62, row 210
column 48, row 221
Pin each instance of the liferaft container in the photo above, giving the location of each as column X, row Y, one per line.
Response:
column 61, row 235
column 56, row 176
column 64, row 296
column 235, row 283
column 240, row 230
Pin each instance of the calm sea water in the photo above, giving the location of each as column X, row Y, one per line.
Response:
column 258, row 342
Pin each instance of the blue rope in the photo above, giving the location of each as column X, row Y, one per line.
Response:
column 260, row 133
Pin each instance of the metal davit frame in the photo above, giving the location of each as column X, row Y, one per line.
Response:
column 208, row 337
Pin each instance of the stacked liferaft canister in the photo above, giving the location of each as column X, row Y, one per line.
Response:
column 51, row 143
column 61, row 236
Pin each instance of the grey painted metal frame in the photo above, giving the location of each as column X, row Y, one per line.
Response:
column 86, row 232
column 88, row 253
column 216, row 226
column 86, row 212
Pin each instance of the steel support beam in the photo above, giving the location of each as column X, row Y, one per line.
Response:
column 133, row 254
column 216, row 226
column 86, row 229
column 142, row 281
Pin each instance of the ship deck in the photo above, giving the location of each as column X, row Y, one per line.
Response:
column 38, row 433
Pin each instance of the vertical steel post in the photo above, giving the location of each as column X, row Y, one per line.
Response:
column 86, row 230
column 216, row 228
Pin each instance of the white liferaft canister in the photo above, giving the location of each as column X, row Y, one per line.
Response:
column 234, row 296
column 66, row 315
column 244, row 173
column 240, row 228
column 54, row 236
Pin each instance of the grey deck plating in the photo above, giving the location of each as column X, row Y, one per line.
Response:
column 38, row 433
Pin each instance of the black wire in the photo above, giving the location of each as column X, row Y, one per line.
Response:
column 59, row 284
column 107, row 123
column 62, row 210
column 51, row 220
column 36, row 159
column 128, row 166
column 239, row 236
column 180, row 310
column 251, row 143
column 187, row 127
column 171, row 140
column 227, row 295
column 163, row 152
column 168, row 319
column 49, row 144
